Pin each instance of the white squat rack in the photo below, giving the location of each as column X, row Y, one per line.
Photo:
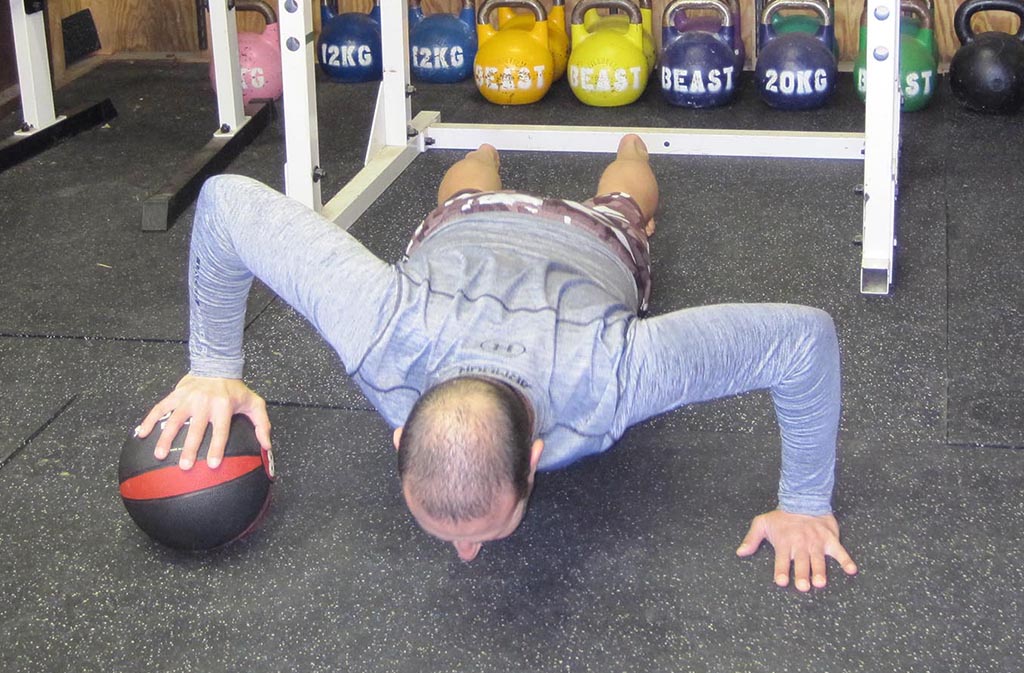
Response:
column 42, row 127
column 396, row 138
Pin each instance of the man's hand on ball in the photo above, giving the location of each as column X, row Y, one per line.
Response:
column 207, row 401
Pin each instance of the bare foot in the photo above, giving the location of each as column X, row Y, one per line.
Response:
column 632, row 148
column 487, row 154
column 477, row 170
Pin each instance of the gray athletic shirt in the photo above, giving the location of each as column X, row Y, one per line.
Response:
column 540, row 305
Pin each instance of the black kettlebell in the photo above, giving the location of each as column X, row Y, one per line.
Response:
column 987, row 72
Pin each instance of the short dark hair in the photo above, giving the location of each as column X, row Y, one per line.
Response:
column 465, row 441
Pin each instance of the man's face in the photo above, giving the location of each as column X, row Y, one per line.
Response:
column 469, row 536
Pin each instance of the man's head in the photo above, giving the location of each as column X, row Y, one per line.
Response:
column 466, row 460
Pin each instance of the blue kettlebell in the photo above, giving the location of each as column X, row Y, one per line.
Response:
column 701, row 63
column 349, row 46
column 712, row 23
column 442, row 46
column 796, row 70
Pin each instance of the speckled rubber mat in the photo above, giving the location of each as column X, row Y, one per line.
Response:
column 624, row 562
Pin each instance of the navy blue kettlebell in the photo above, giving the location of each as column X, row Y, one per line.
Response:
column 712, row 23
column 349, row 46
column 796, row 70
column 701, row 62
column 442, row 46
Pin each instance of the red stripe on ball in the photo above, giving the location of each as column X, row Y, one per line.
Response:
column 170, row 481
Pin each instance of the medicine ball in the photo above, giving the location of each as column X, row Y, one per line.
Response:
column 203, row 507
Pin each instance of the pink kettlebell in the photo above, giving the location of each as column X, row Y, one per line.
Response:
column 259, row 57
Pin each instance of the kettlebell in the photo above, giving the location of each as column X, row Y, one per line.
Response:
column 796, row 70
column 558, row 36
column 513, row 64
column 796, row 23
column 918, row 67
column 259, row 59
column 803, row 23
column 701, row 64
column 910, row 22
column 349, row 45
column 711, row 24
column 607, row 66
column 442, row 46
column 593, row 21
column 986, row 73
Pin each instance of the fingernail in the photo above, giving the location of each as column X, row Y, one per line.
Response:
column 803, row 585
column 185, row 464
column 213, row 462
column 138, row 430
column 781, row 580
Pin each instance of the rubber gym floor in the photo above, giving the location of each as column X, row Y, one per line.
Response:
column 625, row 561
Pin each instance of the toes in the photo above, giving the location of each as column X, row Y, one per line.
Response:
column 632, row 146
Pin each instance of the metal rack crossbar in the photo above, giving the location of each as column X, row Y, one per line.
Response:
column 397, row 138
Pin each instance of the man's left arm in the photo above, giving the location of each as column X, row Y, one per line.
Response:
column 709, row 352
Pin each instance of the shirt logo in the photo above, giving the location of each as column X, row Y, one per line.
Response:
column 502, row 348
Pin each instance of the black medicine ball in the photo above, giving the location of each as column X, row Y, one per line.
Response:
column 200, row 508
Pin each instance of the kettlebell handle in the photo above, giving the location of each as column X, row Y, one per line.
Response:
column 719, row 6
column 921, row 10
column 626, row 6
column 818, row 6
column 261, row 6
column 484, row 13
column 962, row 18
column 466, row 4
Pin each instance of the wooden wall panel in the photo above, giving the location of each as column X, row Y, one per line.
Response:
column 170, row 25
column 8, row 66
column 847, row 21
column 141, row 25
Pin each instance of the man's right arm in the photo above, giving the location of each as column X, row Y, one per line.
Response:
column 244, row 229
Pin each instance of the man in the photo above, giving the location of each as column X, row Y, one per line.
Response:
column 508, row 340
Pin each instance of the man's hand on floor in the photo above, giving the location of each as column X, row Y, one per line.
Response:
column 799, row 540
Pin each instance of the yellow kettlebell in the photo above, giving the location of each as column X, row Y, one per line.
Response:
column 513, row 64
column 608, row 66
column 558, row 36
column 596, row 21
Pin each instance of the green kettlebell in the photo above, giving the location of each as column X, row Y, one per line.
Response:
column 911, row 23
column 918, row 62
column 802, row 23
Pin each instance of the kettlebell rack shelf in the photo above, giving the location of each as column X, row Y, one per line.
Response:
column 397, row 138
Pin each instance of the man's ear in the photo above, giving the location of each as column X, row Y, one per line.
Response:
column 396, row 437
column 535, row 451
